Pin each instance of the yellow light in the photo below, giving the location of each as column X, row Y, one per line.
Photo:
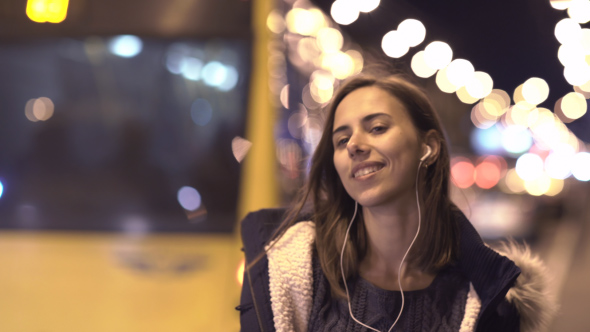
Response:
column 555, row 187
column 443, row 83
column 321, row 86
column 459, row 72
column 438, row 54
column 43, row 108
column 275, row 22
column 413, row 31
column 535, row 90
column 560, row 4
column 305, row 22
column 340, row 64
column 464, row 96
column 52, row 11
column 574, row 105
column 421, row 69
column 329, row 40
column 480, row 85
column 519, row 113
column 357, row 59
column 240, row 271
column 579, row 11
column 514, row 182
column 518, row 96
column 394, row 44
column 497, row 102
column 567, row 31
column 539, row 186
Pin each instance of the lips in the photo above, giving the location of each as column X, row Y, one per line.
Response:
column 366, row 168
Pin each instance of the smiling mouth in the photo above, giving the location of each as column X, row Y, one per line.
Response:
column 367, row 170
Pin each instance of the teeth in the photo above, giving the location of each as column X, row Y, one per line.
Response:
column 367, row 170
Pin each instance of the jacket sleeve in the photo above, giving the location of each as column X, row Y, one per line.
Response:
column 505, row 318
column 255, row 307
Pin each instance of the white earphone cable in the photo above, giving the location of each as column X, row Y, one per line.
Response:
column 400, row 265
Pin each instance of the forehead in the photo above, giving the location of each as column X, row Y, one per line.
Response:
column 368, row 100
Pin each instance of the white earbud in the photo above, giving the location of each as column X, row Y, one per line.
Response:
column 428, row 151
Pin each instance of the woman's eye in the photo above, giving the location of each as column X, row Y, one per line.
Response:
column 378, row 129
column 342, row 141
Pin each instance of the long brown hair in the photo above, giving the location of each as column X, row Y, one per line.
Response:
column 331, row 208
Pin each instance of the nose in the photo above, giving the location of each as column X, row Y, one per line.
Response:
column 356, row 146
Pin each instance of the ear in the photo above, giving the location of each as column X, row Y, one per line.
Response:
column 432, row 139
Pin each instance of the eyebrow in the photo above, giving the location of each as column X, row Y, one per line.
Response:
column 366, row 119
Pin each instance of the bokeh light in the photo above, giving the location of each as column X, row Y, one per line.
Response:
column 581, row 166
column 480, row 85
column 459, row 72
column 568, row 31
column 214, row 73
column 529, row 166
column 344, row 12
column 126, row 46
column 570, row 54
column 480, row 118
column 465, row 97
column 1, row 189
column 555, row 187
column 341, row 65
column 41, row 11
column 443, row 83
column 366, row 6
column 413, row 31
column 574, row 105
column 558, row 162
column 394, row 44
column 462, row 171
column 201, row 112
column 579, row 11
column 538, row 186
column 419, row 66
column 535, row 90
column 305, row 22
column 329, row 40
column 191, row 67
column 514, row 183
column 189, row 198
column 486, row 141
column 284, row 96
column 231, row 79
column 275, row 22
column 560, row 4
column 516, row 139
column 357, row 60
column 438, row 54
column 577, row 73
column 43, row 108
column 321, row 86
column 487, row 173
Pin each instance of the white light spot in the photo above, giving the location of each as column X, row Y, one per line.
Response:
column 459, row 72
column 413, row 31
column 438, row 54
column 191, row 68
column 126, row 46
column 394, row 44
column 344, row 12
column 568, row 31
column 189, row 198
column 535, row 90
column 581, row 166
column 579, row 11
column 516, row 139
column 529, row 166
column 231, row 79
column 214, row 73
column 419, row 66
column 480, row 85
column 367, row 6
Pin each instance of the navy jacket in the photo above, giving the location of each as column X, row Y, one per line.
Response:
column 491, row 274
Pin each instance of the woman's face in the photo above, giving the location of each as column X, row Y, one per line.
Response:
column 376, row 148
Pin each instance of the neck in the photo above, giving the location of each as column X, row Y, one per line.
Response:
column 389, row 234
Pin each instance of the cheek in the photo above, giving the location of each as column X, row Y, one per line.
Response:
column 340, row 165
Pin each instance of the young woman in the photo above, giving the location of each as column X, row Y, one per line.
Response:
column 374, row 242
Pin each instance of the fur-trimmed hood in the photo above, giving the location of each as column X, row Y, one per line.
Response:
column 531, row 292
